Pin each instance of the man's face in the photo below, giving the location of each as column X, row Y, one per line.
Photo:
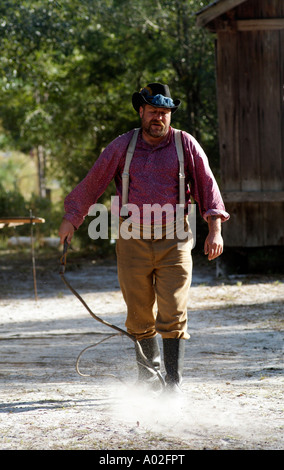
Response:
column 155, row 122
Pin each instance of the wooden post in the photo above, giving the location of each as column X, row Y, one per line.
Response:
column 33, row 256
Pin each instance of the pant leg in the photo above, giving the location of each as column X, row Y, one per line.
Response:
column 173, row 274
column 135, row 274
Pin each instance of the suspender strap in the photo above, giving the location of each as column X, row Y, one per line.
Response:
column 129, row 155
column 179, row 148
column 125, row 174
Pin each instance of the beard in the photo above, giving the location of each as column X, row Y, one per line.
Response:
column 154, row 128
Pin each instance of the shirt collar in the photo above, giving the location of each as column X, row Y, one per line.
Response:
column 167, row 140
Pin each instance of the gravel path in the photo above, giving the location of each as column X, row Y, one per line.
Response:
column 233, row 382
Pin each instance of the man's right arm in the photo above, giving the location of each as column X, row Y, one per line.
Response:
column 86, row 193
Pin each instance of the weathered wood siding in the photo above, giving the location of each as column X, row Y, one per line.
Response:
column 250, row 81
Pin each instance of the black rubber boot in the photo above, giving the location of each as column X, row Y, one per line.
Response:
column 173, row 360
column 146, row 375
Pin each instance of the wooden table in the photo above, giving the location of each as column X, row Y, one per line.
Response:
column 15, row 221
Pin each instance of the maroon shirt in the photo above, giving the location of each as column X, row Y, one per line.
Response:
column 154, row 177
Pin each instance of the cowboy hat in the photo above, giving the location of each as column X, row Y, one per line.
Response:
column 157, row 95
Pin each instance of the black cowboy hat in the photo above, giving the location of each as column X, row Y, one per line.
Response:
column 157, row 95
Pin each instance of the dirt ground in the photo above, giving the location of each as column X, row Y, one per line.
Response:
column 233, row 382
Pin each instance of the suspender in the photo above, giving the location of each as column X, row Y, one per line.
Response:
column 181, row 167
column 129, row 155
column 125, row 174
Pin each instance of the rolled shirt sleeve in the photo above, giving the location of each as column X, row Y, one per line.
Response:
column 201, row 181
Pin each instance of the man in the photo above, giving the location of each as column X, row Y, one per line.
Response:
column 154, row 270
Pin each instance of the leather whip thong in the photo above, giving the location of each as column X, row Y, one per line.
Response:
column 119, row 331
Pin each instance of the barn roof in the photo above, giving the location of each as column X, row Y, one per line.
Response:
column 215, row 9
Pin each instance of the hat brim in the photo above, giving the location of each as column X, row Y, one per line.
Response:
column 138, row 100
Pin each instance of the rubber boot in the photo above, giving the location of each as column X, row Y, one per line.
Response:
column 173, row 360
column 146, row 375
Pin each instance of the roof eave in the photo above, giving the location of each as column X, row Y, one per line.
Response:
column 215, row 9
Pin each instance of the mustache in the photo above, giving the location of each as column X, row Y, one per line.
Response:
column 159, row 123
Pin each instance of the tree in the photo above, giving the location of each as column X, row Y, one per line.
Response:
column 69, row 69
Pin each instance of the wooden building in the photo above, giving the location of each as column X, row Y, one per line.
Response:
column 250, row 91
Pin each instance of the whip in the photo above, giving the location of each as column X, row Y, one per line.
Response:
column 119, row 331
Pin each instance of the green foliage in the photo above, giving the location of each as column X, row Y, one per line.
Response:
column 51, row 213
column 12, row 203
column 69, row 69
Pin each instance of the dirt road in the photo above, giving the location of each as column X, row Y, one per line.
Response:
column 233, row 378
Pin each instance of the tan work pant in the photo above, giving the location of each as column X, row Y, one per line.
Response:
column 155, row 277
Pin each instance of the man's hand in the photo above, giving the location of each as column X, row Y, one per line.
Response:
column 213, row 246
column 66, row 229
